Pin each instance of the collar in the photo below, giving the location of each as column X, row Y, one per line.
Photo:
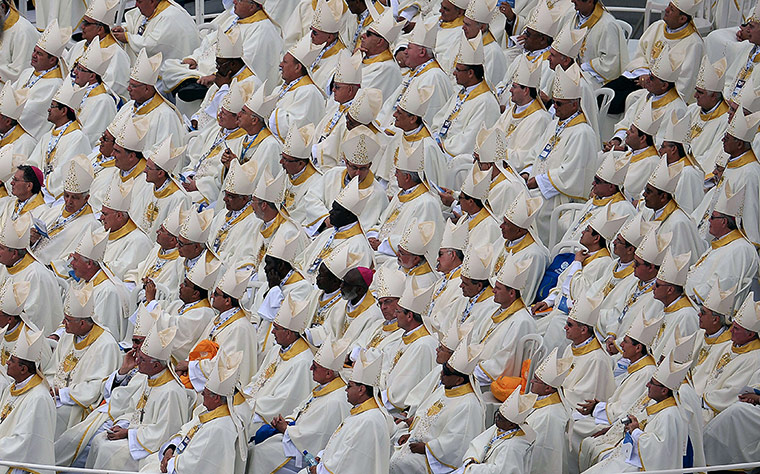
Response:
column 516, row 306
column 134, row 172
column 12, row 334
column 717, row 111
column 121, row 232
column 90, row 338
column 296, row 348
column 665, row 212
column 586, row 347
column 25, row 386
column 24, row 262
column 617, row 197
column 641, row 363
column 744, row 159
column 367, row 301
column 445, row 25
column 419, row 332
column 167, row 189
column 752, row 345
column 412, row 193
column 627, row 269
column 202, row 303
column 601, row 253
column 163, row 5
column 303, row 175
column 726, row 239
column 659, row 406
column 378, row 58
column 369, row 404
column 161, row 378
column 721, row 336
column 665, row 99
column 680, row 32
column 517, row 245
column 422, row 268
column 335, row 384
column 459, row 391
column 260, row 15
column 218, row 412
column 552, row 399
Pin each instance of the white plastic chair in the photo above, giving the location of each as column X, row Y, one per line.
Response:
column 554, row 222
column 603, row 121
column 626, row 27
column 532, row 348
column 653, row 6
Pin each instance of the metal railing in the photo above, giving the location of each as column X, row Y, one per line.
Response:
column 46, row 467
column 747, row 466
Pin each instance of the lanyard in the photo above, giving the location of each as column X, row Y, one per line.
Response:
column 33, row 79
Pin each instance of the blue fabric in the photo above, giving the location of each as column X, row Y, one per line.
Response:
column 688, row 460
column 549, row 280
column 266, row 432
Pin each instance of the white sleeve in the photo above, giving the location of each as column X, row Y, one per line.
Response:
column 196, row 376
column 435, row 466
column 545, row 186
column 64, row 397
column 135, row 449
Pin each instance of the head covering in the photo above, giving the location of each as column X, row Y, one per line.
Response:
column 586, row 309
column 9, row 162
column 491, row 144
column 389, row 282
column 477, row 183
column 524, row 209
column 514, row 272
column 353, row 198
column 634, row 230
column 416, row 298
column 366, row 105
column 744, row 127
column 670, row 373
column 30, row 346
column 294, row 314
column 652, row 247
column 13, row 295
column 174, row 220
column 204, row 273
column 644, row 330
column 730, row 203
column 424, row 34
column 419, row 237
column 466, row 357
column 359, row 146
column 688, row 7
column 69, row 94
column 470, row 51
column 235, row 99
column 527, row 74
column 665, row 177
column 165, row 156
column 79, row 303
column 327, row 16
column 385, row 24
column 234, row 282
column 103, row 11
column 720, row 301
column 197, row 225
column 367, row 370
column 119, row 194
column 145, row 320
column 342, row 260
column 297, row 142
column 667, row 66
column 79, row 175
column 261, row 104
column 241, row 179
column 15, row 234
column 516, row 409
column 567, row 83
column 544, row 19
column 678, row 131
column 286, row 244
column 674, row 268
column 229, row 43
column 481, row 10
column 349, row 68
column 478, row 261
column 614, row 167
column 133, row 133
column 158, row 343
column 712, row 77
column 554, row 369
column 224, row 375
column 95, row 58
column 607, row 224
column 53, row 40
column 647, row 120
column 332, row 354
column 305, row 52
column 146, row 69
column 271, row 189
column 569, row 41
column 748, row 315
column 93, row 244
column 12, row 101
column 411, row 157
column 416, row 99
column 455, row 236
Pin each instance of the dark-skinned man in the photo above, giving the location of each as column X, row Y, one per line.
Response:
column 709, row 113
column 12, row 104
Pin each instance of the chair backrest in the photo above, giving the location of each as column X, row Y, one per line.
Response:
column 626, row 27
column 532, row 347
